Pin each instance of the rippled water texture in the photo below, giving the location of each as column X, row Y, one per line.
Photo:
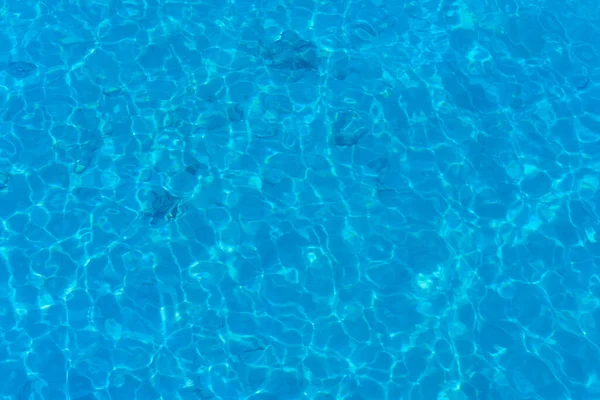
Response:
column 334, row 200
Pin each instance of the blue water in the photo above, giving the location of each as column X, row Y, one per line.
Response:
column 333, row 200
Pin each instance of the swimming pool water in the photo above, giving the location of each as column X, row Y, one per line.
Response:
column 280, row 200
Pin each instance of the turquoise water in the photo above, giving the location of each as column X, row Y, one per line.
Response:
column 353, row 200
